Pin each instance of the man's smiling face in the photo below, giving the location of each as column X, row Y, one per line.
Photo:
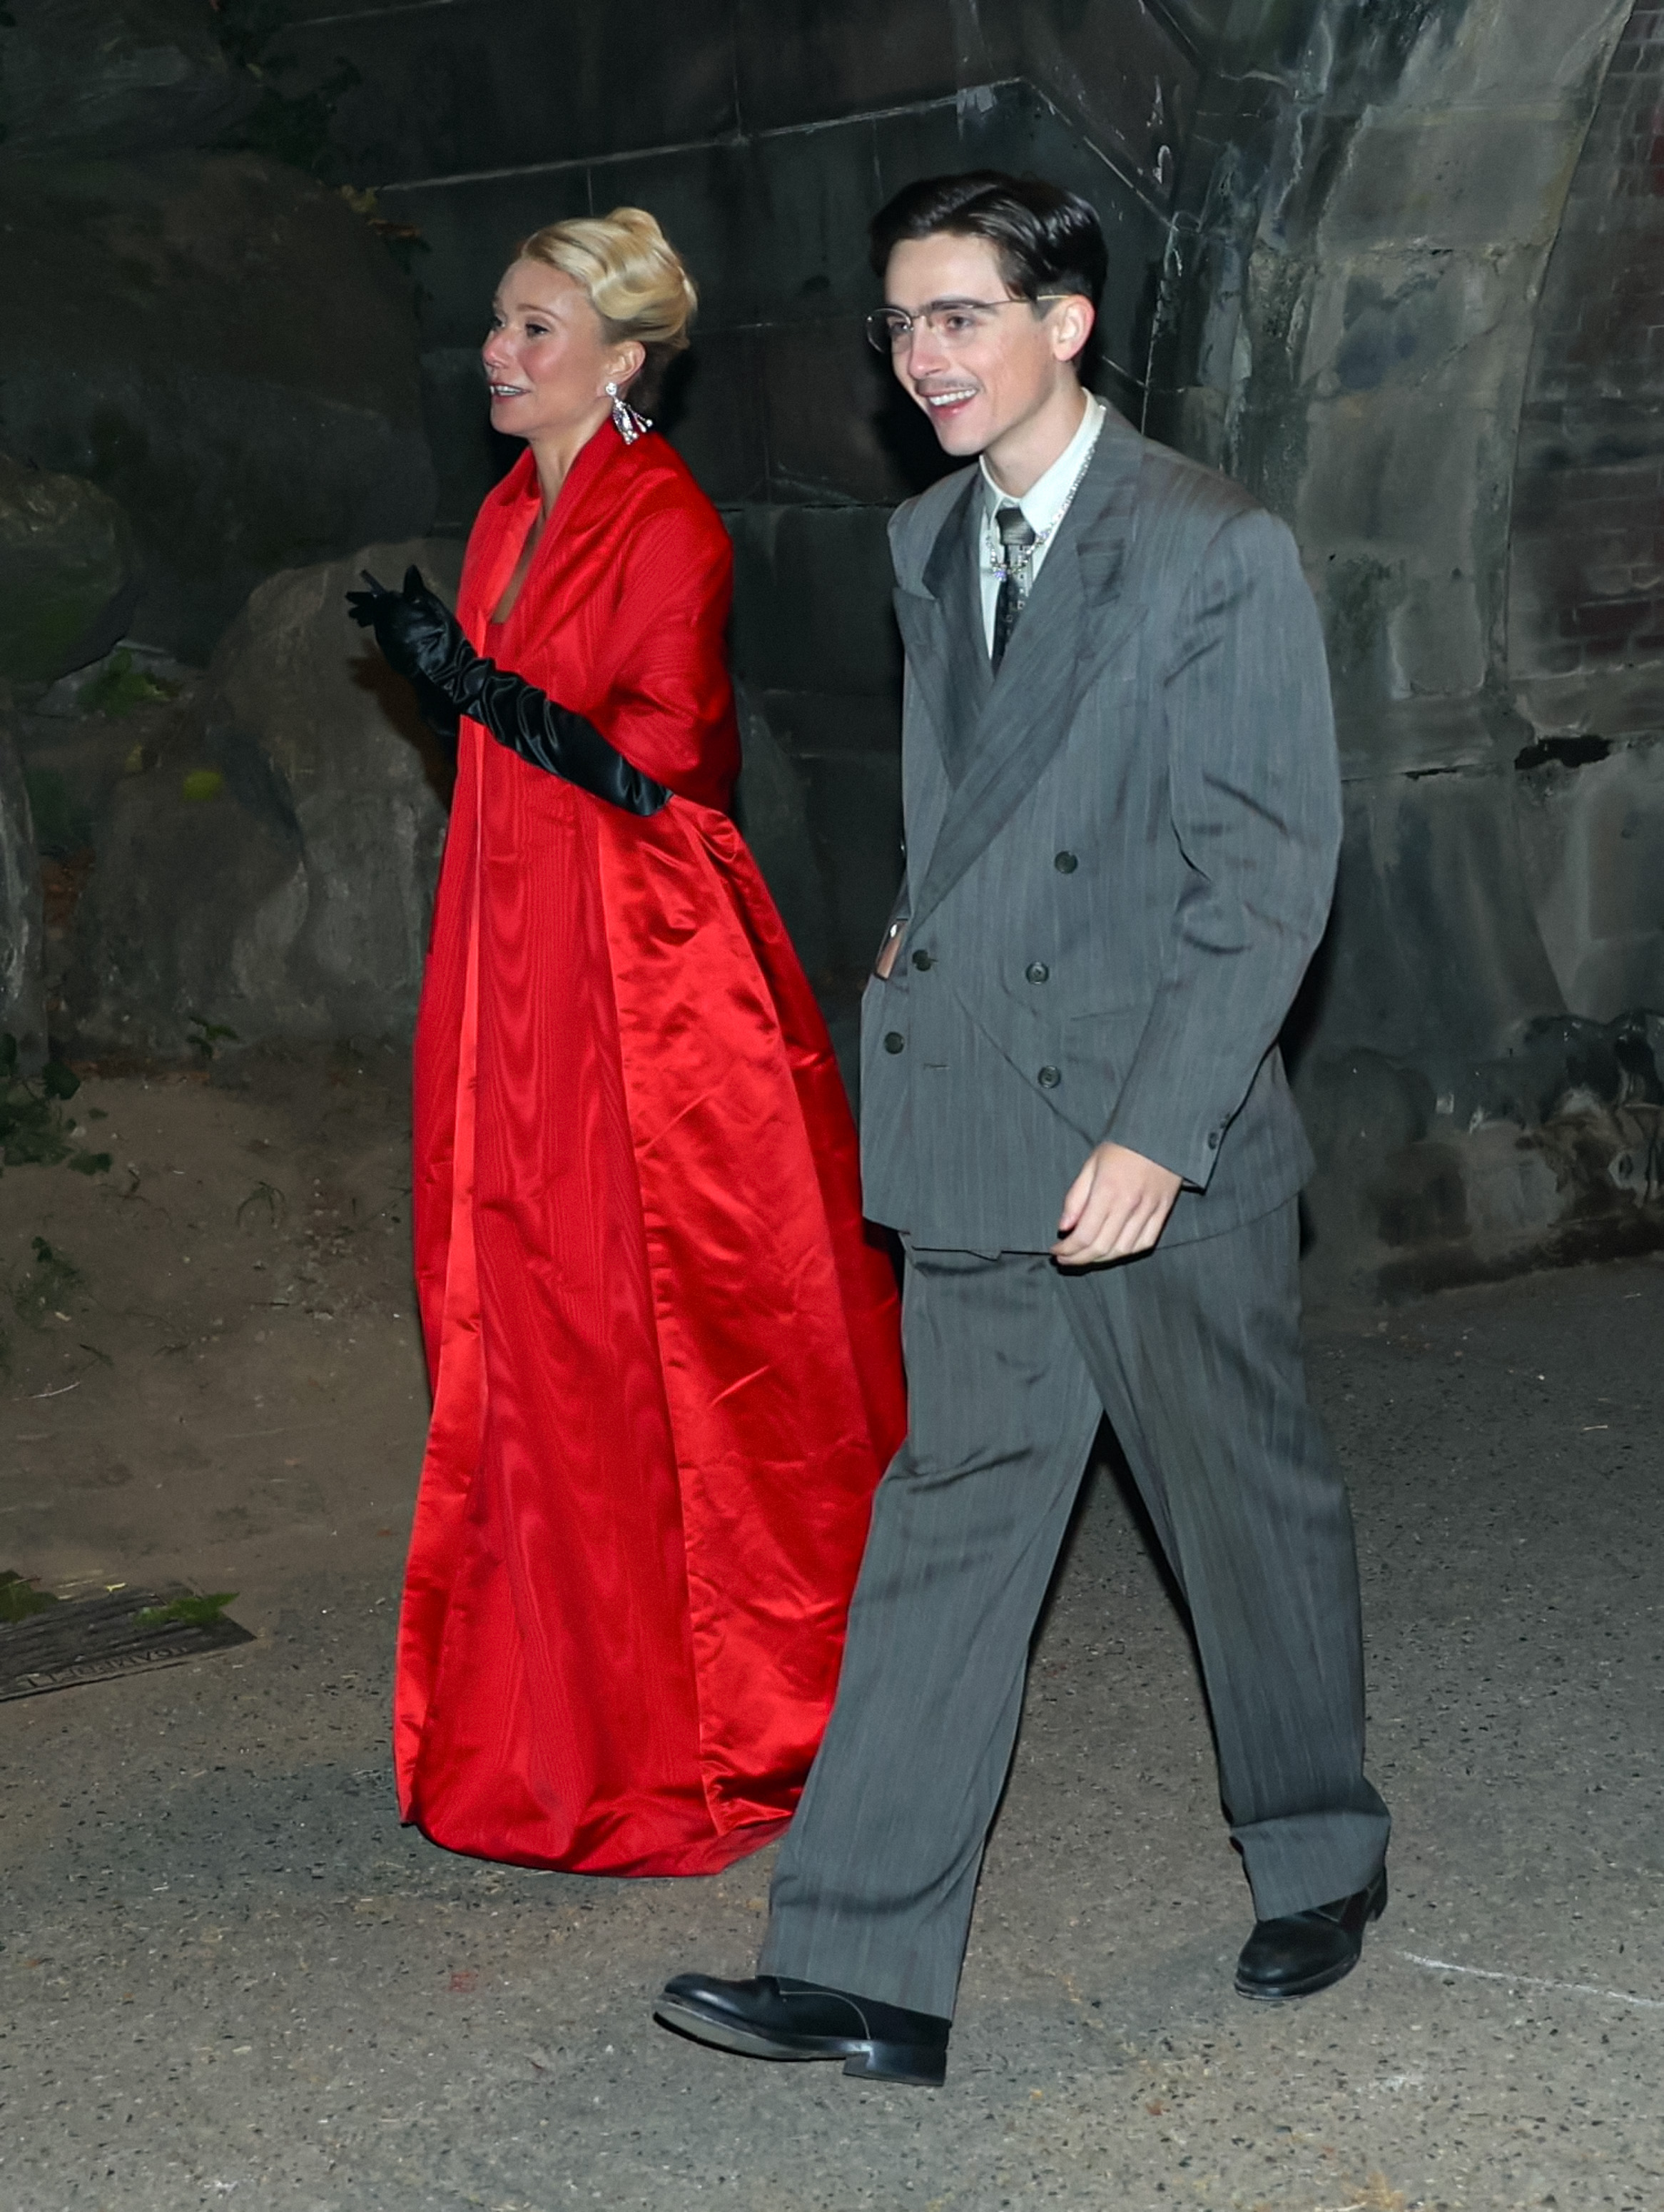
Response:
column 985, row 386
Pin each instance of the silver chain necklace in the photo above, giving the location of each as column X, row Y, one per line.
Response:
column 993, row 544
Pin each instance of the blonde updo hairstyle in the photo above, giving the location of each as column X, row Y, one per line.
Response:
column 632, row 278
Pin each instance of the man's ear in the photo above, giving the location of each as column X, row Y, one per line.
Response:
column 1071, row 321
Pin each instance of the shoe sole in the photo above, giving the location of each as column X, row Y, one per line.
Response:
column 1308, row 1988
column 871, row 2061
column 1330, row 1975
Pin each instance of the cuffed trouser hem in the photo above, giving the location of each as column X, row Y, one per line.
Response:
column 1313, row 1858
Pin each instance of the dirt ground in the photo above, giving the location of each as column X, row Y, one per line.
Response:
column 227, row 1975
column 222, row 1380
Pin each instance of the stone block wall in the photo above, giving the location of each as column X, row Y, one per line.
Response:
column 1587, row 581
column 764, row 137
column 1393, row 263
column 1414, row 316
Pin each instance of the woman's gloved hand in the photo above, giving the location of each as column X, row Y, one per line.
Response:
column 406, row 625
column 424, row 641
column 418, row 634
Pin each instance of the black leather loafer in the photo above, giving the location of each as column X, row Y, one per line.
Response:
column 775, row 2017
column 1303, row 1952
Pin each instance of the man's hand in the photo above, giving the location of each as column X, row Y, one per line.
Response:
column 1117, row 1205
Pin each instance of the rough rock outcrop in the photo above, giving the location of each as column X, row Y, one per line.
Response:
column 235, row 361
column 115, row 76
column 66, row 573
column 272, row 873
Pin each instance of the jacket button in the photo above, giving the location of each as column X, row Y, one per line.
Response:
column 1050, row 1078
column 894, row 1041
column 1037, row 972
column 923, row 960
column 1066, row 864
column 1213, row 1140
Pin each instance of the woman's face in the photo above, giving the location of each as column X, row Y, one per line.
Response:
column 547, row 359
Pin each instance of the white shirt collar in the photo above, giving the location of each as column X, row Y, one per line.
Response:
column 1044, row 500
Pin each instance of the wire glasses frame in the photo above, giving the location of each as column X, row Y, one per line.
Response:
column 955, row 322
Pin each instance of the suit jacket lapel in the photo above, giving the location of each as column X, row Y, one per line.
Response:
column 942, row 629
column 1077, row 619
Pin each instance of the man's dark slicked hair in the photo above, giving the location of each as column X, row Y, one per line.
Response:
column 1046, row 239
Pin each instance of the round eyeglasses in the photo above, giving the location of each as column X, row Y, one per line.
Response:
column 955, row 322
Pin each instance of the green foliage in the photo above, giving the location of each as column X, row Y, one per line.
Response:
column 268, row 1196
column 206, row 1034
column 186, row 1612
column 34, row 1131
column 402, row 239
column 46, row 1285
column 19, row 1599
column 119, row 688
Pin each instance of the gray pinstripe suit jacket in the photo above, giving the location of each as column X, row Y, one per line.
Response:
column 1121, row 856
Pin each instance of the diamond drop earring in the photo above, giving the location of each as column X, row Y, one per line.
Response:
column 628, row 424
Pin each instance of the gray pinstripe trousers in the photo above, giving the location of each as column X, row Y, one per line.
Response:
column 1193, row 1352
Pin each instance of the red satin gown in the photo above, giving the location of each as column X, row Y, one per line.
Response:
column 664, row 1347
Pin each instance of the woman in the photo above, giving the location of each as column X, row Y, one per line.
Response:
column 664, row 1355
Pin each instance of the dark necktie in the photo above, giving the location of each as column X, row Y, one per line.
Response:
column 1015, row 536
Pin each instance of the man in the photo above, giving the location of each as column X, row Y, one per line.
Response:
column 1122, row 820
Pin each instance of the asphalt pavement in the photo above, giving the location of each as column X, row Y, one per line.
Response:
column 230, row 1978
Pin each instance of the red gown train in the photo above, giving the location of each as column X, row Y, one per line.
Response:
column 664, row 1347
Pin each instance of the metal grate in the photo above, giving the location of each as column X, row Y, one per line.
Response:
column 89, row 1639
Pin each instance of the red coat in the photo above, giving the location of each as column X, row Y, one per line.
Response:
column 664, row 1348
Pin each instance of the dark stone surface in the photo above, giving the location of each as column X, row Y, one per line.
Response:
column 499, row 84
column 771, row 806
column 813, row 587
column 1434, row 952
column 234, row 363
column 1586, row 580
column 67, row 578
column 272, row 869
column 855, row 813
column 799, row 61
column 103, row 77
column 713, row 414
column 1122, row 75
column 1349, row 332
column 23, row 1000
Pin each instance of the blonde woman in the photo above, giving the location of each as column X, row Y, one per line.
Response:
column 664, row 1352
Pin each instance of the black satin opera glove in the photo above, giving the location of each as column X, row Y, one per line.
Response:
column 423, row 642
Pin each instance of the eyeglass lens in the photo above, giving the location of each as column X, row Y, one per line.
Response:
column 952, row 321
